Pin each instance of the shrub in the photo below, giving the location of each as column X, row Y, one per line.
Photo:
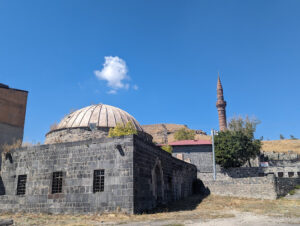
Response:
column 184, row 134
column 8, row 147
column 167, row 148
column 121, row 130
column 281, row 137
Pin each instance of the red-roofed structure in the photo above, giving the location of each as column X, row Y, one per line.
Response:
column 188, row 142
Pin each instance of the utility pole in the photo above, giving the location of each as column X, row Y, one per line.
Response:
column 213, row 153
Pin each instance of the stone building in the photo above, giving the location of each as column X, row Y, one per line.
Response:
column 197, row 152
column 12, row 114
column 81, row 170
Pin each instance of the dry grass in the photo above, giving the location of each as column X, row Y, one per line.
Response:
column 281, row 145
column 8, row 147
column 210, row 208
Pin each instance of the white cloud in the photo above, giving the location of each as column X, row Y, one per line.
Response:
column 135, row 87
column 114, row 71
column 112, row 91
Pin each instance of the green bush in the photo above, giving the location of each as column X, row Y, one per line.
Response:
column 234, row 148
column 184, row 134
column 121, row 130
column 167, row 148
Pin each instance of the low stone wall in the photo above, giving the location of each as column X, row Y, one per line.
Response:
column 248, row 187
column 252, row 182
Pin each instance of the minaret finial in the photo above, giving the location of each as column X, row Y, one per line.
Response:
column 221, row 105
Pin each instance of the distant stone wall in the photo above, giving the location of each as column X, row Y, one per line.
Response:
column 248, row 187
column 252, row 182
column 159, row 178
column 199, row 155
column 280, row 159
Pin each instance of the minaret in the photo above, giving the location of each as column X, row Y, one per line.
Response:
column 221, row 105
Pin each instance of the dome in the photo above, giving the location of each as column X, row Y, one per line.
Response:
column 101, row 115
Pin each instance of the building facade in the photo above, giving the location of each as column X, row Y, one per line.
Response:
column 12, row 114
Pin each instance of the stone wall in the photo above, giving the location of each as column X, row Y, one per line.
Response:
column 77, row 161
column 252, row 182
column 284, row 185
column 158, row 177
column 75, row 134
column 199, row 155
column 248, row 187
column 129, row 162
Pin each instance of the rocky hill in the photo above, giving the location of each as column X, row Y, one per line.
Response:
column 164, row 133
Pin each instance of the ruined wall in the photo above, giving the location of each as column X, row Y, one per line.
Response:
column 77, row 161
column 248, row 187
column 199, row 155
column 158, row 177
column 252, row 182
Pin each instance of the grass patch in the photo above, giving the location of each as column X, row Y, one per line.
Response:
column 212, row 207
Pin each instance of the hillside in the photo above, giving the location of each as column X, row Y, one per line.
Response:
column 164, row 133
column 281, row 146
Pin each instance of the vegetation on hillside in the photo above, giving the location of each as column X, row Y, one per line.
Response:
column 237, row 145
column 184, row 134
column 121, row 130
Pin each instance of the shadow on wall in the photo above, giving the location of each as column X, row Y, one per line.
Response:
column 2, row 188
column 200, row 192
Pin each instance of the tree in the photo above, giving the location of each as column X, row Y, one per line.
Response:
column 237, row 145
column 121, row 130
column 184, row 134
column 293, row 138
column 246, row 126
column 167, row 148
column 281, row 137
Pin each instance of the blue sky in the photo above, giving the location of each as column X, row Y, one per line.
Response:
column 172, row 50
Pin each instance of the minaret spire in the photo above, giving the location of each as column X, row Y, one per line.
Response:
column 221, row 105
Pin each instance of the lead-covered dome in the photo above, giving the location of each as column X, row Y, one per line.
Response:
column 101, row 115
column 90, row 122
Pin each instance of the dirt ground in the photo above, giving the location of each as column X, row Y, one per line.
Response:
column 212, row 210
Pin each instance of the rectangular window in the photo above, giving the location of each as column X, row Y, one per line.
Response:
column 21, row 186
column 280, row 174
column 298, row 174
column 57, row 182
column 98, row 184
column 291, row 174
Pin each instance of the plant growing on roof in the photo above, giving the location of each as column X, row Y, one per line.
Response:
column 167, row 148
column 121, row 130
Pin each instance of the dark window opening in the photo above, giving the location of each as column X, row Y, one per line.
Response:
column 21, row 187
column 291, row 174
column 261, row 174
column 280, row 174
column 298, row 174
column 98, row 185
column 57, row 182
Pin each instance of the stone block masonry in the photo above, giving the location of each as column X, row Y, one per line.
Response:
column 124, row 164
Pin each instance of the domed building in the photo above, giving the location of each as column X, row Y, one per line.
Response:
column 91, row 122
column 81, row 170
